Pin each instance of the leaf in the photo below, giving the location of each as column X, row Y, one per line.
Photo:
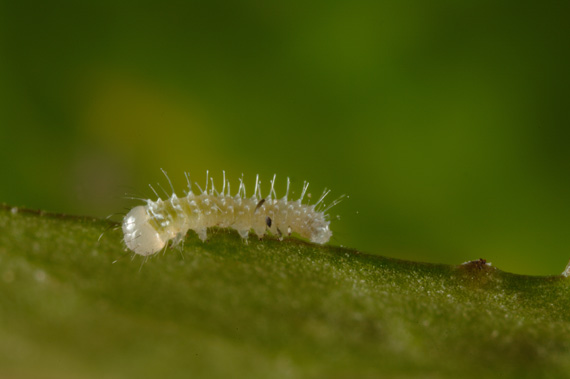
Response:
column 72, row 307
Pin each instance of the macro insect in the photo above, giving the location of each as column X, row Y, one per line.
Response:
column 148, row 228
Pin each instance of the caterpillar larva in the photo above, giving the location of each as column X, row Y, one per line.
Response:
column 148, row 228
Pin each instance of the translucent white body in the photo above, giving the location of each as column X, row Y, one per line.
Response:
column 148, row 228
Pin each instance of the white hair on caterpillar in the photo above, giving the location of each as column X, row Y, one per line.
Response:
column 148, row 228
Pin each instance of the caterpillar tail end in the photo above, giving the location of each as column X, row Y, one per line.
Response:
column 321, row 235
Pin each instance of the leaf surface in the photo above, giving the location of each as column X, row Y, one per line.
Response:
column 72, row 307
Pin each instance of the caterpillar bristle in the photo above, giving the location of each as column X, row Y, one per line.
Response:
column 150, row 228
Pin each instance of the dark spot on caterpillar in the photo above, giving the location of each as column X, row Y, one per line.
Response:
column 268, row 221
column 259, row 205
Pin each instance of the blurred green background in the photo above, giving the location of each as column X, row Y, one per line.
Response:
column 446, row 122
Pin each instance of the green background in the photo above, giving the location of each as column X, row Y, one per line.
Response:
column 446, row 123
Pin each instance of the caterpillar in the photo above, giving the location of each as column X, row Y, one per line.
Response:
column 148, row 228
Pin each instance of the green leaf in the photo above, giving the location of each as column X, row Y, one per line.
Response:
column 73, row 307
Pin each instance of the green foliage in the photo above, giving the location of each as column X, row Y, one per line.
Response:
column 72, row 307
column 445, row 121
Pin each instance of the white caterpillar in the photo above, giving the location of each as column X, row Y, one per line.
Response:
column 147, row 229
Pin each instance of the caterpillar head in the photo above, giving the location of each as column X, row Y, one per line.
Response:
column 140, row 236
